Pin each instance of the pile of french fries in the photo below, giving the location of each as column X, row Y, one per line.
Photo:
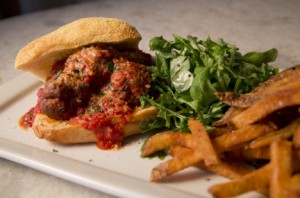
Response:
column 263, row 125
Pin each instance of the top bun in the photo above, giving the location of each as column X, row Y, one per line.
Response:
column 38, row 56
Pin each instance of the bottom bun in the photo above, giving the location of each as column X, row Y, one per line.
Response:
column 69, row 132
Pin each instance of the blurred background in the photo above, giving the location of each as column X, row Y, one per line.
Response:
column 10, row 8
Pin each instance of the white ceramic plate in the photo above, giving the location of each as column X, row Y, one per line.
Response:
column 121, row 173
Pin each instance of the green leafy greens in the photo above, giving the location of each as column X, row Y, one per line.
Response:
column 189, row 71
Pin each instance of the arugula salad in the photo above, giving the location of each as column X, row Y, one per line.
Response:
column 189, row 71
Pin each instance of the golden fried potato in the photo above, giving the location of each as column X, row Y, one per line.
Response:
column 281, row 162
column 204, row 145
column 266, row 106
column 255, row 181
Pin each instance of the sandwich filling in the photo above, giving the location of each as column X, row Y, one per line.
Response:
column 97, row 87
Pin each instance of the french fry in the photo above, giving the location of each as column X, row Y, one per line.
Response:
column 293, row 189
column 255, row 181
column 296, row 160
column 251, row 154
column 211, row 159
column 285, row 79
column 296, row 180
column 223, row 143
column 284, row 133
column 166, row 139
column 281, row 161
column 248, row 99
column 240, row 136
column 218, row 131
column 266, row 106
column 296, row 138
column 241, row 101
column 228, row 169
column 278, row 80
column 178, row 150
column 204, row 145
column 174, row 165
column 231, row 112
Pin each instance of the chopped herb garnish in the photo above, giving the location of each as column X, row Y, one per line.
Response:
column 99, row 109
column 117, row 68
column 91, row 109
column 100, row 94
column 76, row 71
column 94, row 108
column 110, row 66
column 82, row 85
column 59, row 72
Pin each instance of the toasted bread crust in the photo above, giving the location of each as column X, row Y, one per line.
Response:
column 68, row 133
column 38, row 56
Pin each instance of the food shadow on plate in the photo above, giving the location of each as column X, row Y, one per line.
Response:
column 188, row 175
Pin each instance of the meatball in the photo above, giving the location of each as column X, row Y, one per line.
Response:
column 94, row 70
column 129, row 81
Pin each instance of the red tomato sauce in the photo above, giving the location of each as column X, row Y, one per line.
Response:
column 26, row 121
column 106, row 120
